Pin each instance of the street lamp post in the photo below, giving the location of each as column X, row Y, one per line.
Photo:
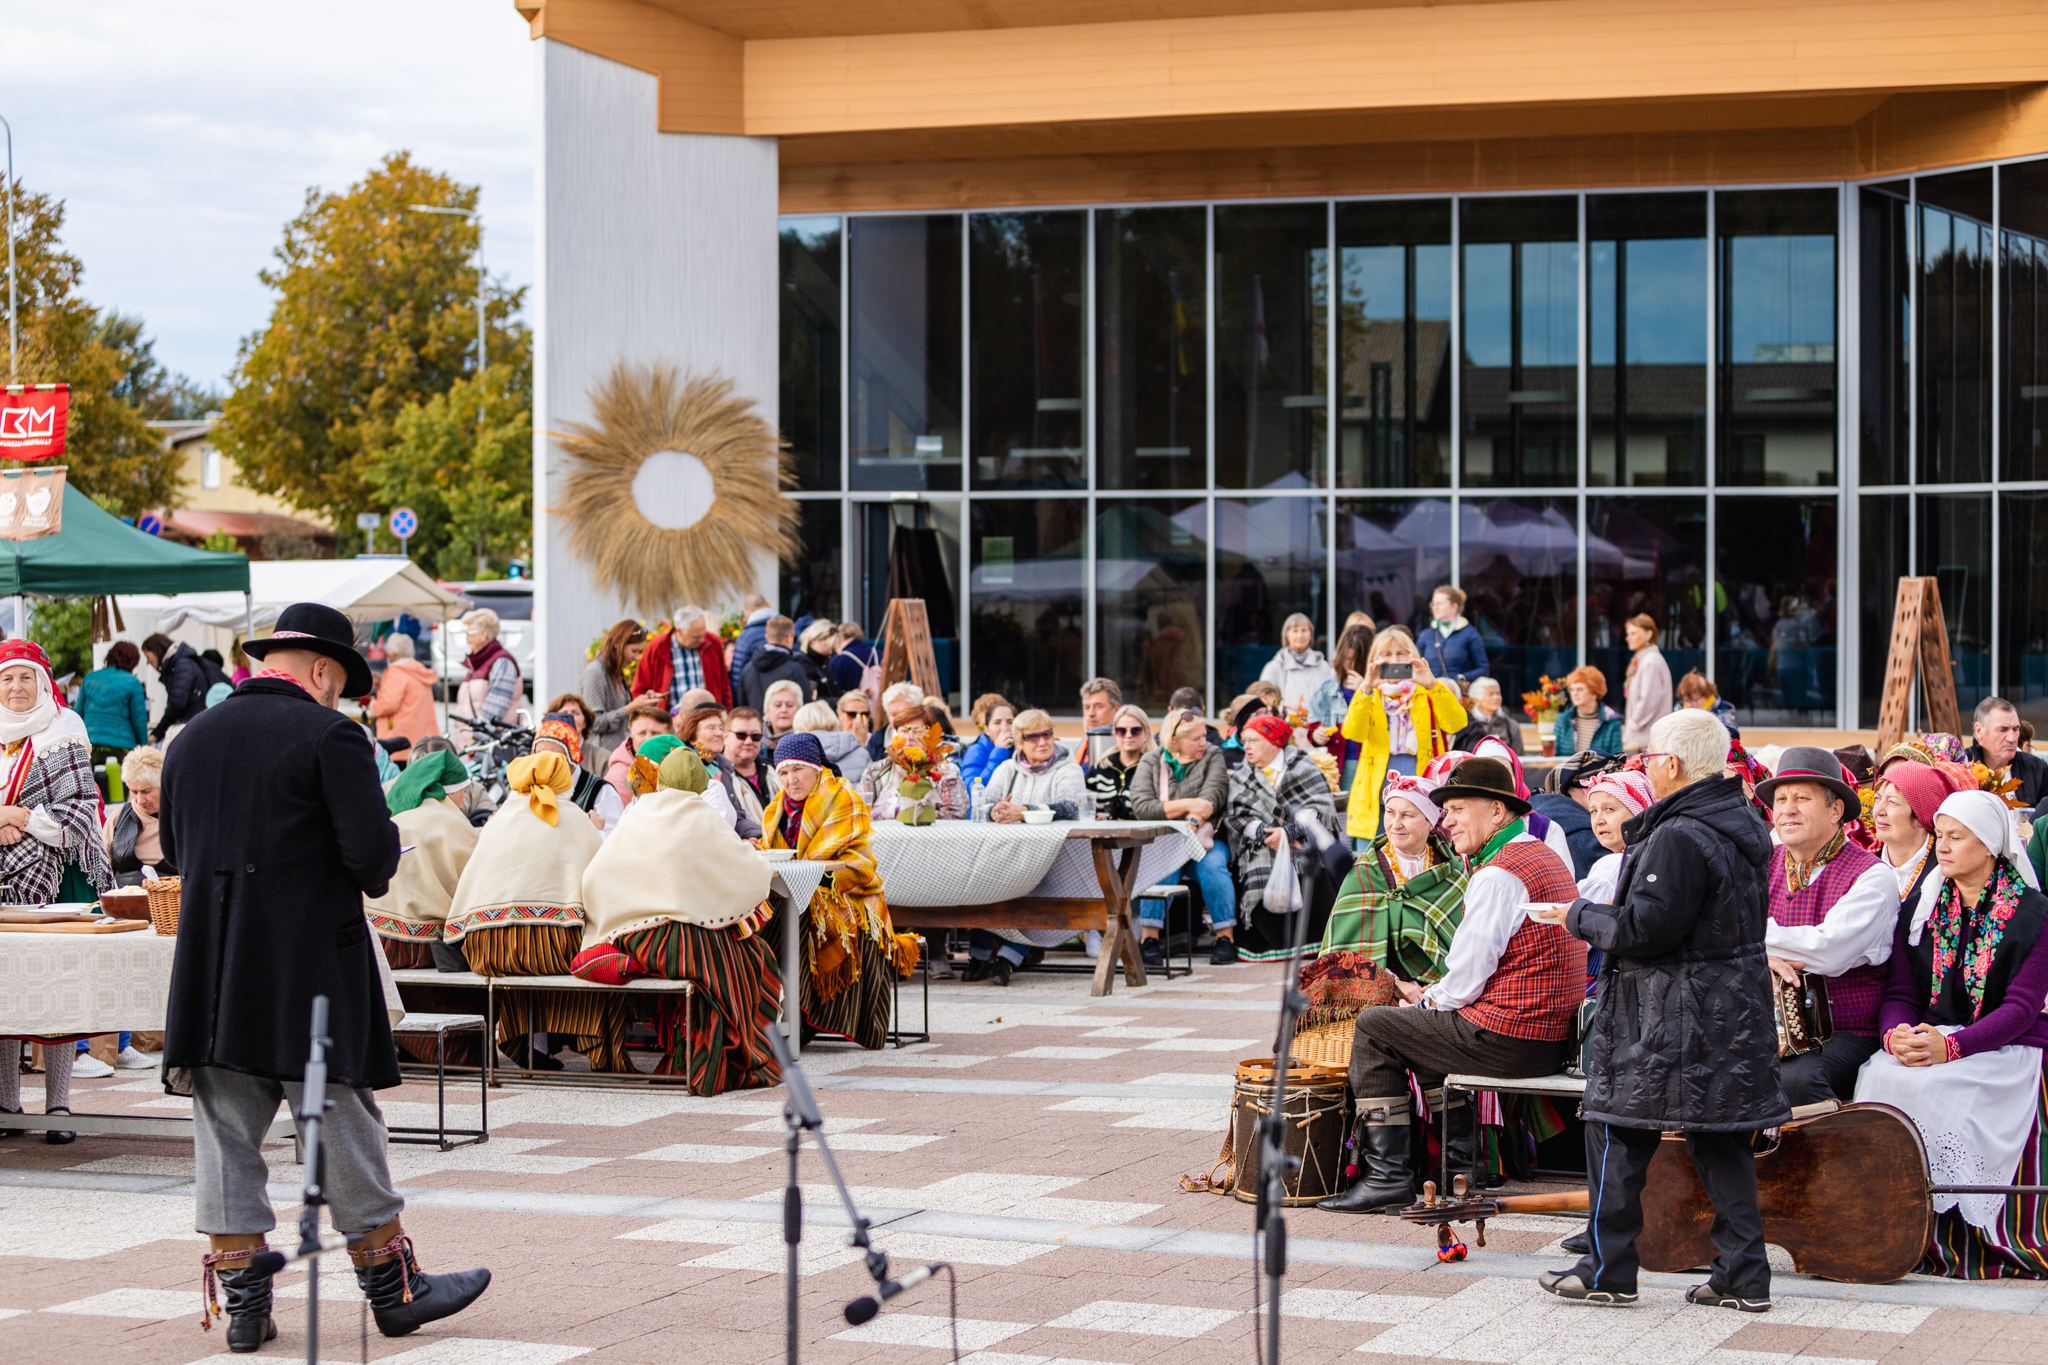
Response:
column 12, row 375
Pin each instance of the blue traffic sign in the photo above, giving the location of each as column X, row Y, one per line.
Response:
column 404, row 523
column 150, row 525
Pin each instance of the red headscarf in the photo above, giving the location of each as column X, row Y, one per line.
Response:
column 29, row 652
column 1272, row 729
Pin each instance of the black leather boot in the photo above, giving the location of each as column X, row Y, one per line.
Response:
column 1384, row 1148
column 1461, row 1145
column 403, row 1298
column 247, row 1296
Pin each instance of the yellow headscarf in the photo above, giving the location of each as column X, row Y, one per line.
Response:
column 540, row 776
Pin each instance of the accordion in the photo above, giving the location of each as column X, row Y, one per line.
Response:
column 1805, row 1018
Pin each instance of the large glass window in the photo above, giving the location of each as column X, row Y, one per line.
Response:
column 1777, row 380
column 1152, row 348
column 2023, row 605
column 1025, row 303
column 1391, row 555
column 1521, row 341
column 1394, row 322
column 809, row 394
column 1520, row 572
column 1955, row 551
column 1885, row 378
column 1272, row 345
column 1151, row 596
column 812, row 584
column 905, row 351
column 912, row 549
column 1029, row 627
column 2023, row 219
column 1646, row 390
column 1882, row 559
column 1775, row 622
column 1646, row 557
column 1270, row 563
column 1955, row 327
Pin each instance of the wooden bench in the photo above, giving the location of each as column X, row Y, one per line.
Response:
column 491, row 985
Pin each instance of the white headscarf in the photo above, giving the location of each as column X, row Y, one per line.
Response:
column 43, row 716
column 1990, row 820
column 1417, row 792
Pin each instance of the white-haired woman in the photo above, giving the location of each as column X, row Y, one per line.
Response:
column 135, row 850
column 490, row 684
column 779, row 705
column 846, row 752
column 1299, row 669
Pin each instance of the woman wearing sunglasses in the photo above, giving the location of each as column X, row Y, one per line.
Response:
column 1109, row 781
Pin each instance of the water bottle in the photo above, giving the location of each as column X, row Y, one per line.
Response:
column 977, row 801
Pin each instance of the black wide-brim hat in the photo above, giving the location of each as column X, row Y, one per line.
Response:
column 323, row 630
column 1487, row 779
column 1811, row 763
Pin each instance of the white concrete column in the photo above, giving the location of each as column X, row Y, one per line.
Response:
column 650, row 247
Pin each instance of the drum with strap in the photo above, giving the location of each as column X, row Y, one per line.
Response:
column 1318, row 1110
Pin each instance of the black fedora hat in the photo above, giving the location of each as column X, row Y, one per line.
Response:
column 1487, row 779
column 1811, row 763
column 323, row 630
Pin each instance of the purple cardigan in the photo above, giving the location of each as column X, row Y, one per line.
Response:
column 2018, row 1019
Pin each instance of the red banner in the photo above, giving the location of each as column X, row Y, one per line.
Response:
column 32, row 420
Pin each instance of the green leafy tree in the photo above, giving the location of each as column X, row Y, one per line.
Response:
column 463, row 461
column 64, row 630
column 159, row 393
column 375, row 314
column 111, row 453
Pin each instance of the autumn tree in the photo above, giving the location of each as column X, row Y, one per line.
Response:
column 463, row 462
column 375, row 315
column 111, row 453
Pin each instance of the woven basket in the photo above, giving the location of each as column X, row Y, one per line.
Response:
column 1325, row 1044
column 163, row 905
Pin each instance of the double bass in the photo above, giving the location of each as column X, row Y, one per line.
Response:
column 1844, row 1189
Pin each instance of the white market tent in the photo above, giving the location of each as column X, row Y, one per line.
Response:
column 365, row 590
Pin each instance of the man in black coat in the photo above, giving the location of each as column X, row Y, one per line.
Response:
column 771, row 663
column 1996, row 727
column 184, row 680
column 273, row 809
column 1683, row 1036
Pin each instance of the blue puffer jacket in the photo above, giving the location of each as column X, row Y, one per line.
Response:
column 980, row 759
column 752, row 636
column 115, row 708
column 1461, row 654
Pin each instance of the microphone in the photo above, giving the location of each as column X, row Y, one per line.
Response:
column 1311, row 829
column 863, row 1309
column 270, row 1262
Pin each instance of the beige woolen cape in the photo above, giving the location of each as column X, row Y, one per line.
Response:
column 672, row 857
column 422, row 890
column 524, row 870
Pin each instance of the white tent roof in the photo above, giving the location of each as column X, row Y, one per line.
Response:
column 364, row 589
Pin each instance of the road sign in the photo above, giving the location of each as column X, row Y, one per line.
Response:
column 150, row 525
column 404, row 523
column 368, row 521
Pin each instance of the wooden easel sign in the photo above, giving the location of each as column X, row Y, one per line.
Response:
column 907, row 646
column 1919, row 653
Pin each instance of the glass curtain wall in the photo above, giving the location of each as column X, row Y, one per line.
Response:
column 1646, row 386
column 904, row 355
column 1152, row 348
column 1272, row 345
column 1025, row 273
column 1521, row 325
column 1777, row 329
column 1394, row 325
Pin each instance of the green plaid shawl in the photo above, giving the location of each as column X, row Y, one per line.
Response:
column 1409, row 928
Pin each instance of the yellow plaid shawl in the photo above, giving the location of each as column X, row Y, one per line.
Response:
column 836, row 828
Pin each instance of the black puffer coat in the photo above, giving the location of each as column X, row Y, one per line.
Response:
column 1683, row 1036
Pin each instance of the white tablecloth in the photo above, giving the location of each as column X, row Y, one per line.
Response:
column 83, row 983
column 798, row 879
column 1072, row 875
column 957, row 862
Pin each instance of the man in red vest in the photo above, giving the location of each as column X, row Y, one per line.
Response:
column 1503, row 1008
column 1833, row 908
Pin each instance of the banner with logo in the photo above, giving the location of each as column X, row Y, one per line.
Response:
column 32, row 420
column 31, row 503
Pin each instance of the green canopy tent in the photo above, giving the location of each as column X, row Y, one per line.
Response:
column 97, row 554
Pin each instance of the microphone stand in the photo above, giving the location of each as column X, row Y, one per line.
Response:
column 312, row 1108
column 800, row 1115
column 1274, row 1162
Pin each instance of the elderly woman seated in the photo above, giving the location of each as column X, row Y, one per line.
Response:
column 1963, row 1034
column 1038, row 776
column 518, row 911
column 1188, row 780
column 426, row 805
column 850, row 948
column 881, row 781
column 644, row 919
column 135, row 851
column 1276, row 783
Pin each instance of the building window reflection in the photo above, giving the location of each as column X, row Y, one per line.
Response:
column 1151, row 596
column 810, row 349
column 1270, row 562
column 1028, row 624
column 1152, row 348
column 812, row 584
column 1885, row 378
column 1025, row 318
column 1646, row 557
column 1955, row 550
column 1883, row 557
column 1391, row 555
column 2023, row 218
column 1646, row 388
column 905, row 352
column 1519, row 560
column 1272, row 345
column 1394, row 328
column 1774, row 653
column 1777, row 326
column 1954, row 420
column 2023, row 604
column 1521, row 342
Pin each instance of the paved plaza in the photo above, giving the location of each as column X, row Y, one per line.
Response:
column 1035, row 1144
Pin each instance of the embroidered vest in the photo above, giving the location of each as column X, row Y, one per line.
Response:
column 1857, row 993
column 1541, row 977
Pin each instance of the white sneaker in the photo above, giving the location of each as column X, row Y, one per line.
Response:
column 1091, row 943
column 89, row 1068
column 131, row 1060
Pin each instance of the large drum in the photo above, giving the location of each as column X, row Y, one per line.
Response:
column 1318, row 1109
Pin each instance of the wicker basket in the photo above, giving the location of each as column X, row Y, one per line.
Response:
column 1325, row 1044
column 163, row 905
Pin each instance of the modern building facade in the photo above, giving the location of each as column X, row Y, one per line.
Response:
column 1121, row 331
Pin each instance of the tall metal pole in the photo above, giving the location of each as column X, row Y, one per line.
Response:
column 13, row 377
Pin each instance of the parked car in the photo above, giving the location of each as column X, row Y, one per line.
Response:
column 512, row 599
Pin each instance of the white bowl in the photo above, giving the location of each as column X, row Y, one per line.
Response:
column 1037, row 817
column 778, row 855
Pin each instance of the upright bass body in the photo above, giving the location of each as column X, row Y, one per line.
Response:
column 1846, row 1193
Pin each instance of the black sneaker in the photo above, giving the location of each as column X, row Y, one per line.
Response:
column 975, row 970
column 1224, row 953
column 999, row 970
column 1566, row 1284
column 1709, row 1297
column 1152, row 953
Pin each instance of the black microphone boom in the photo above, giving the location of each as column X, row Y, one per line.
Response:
column 864, row 1309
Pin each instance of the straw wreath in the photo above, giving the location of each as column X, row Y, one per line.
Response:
column 644, row 409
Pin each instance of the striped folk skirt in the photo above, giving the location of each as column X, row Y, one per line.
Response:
column 718, row 1035
column 597, row 1020
column 2015, row 1249
column 859, row 1013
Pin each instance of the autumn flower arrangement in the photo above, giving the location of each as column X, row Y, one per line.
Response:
column 916, row 753
column 1546, row 701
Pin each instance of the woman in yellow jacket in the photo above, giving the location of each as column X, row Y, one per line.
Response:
column 1399, row 723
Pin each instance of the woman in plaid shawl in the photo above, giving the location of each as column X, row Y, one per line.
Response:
column 1405, row 895
column 50, row 847
column 1274, row 782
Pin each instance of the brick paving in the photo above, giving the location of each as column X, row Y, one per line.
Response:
column 1035, row 1143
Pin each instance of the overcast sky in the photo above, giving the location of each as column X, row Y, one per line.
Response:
column 182, row 136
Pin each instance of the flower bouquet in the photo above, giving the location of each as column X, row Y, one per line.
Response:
column 916, row 754
column 1546, row 701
